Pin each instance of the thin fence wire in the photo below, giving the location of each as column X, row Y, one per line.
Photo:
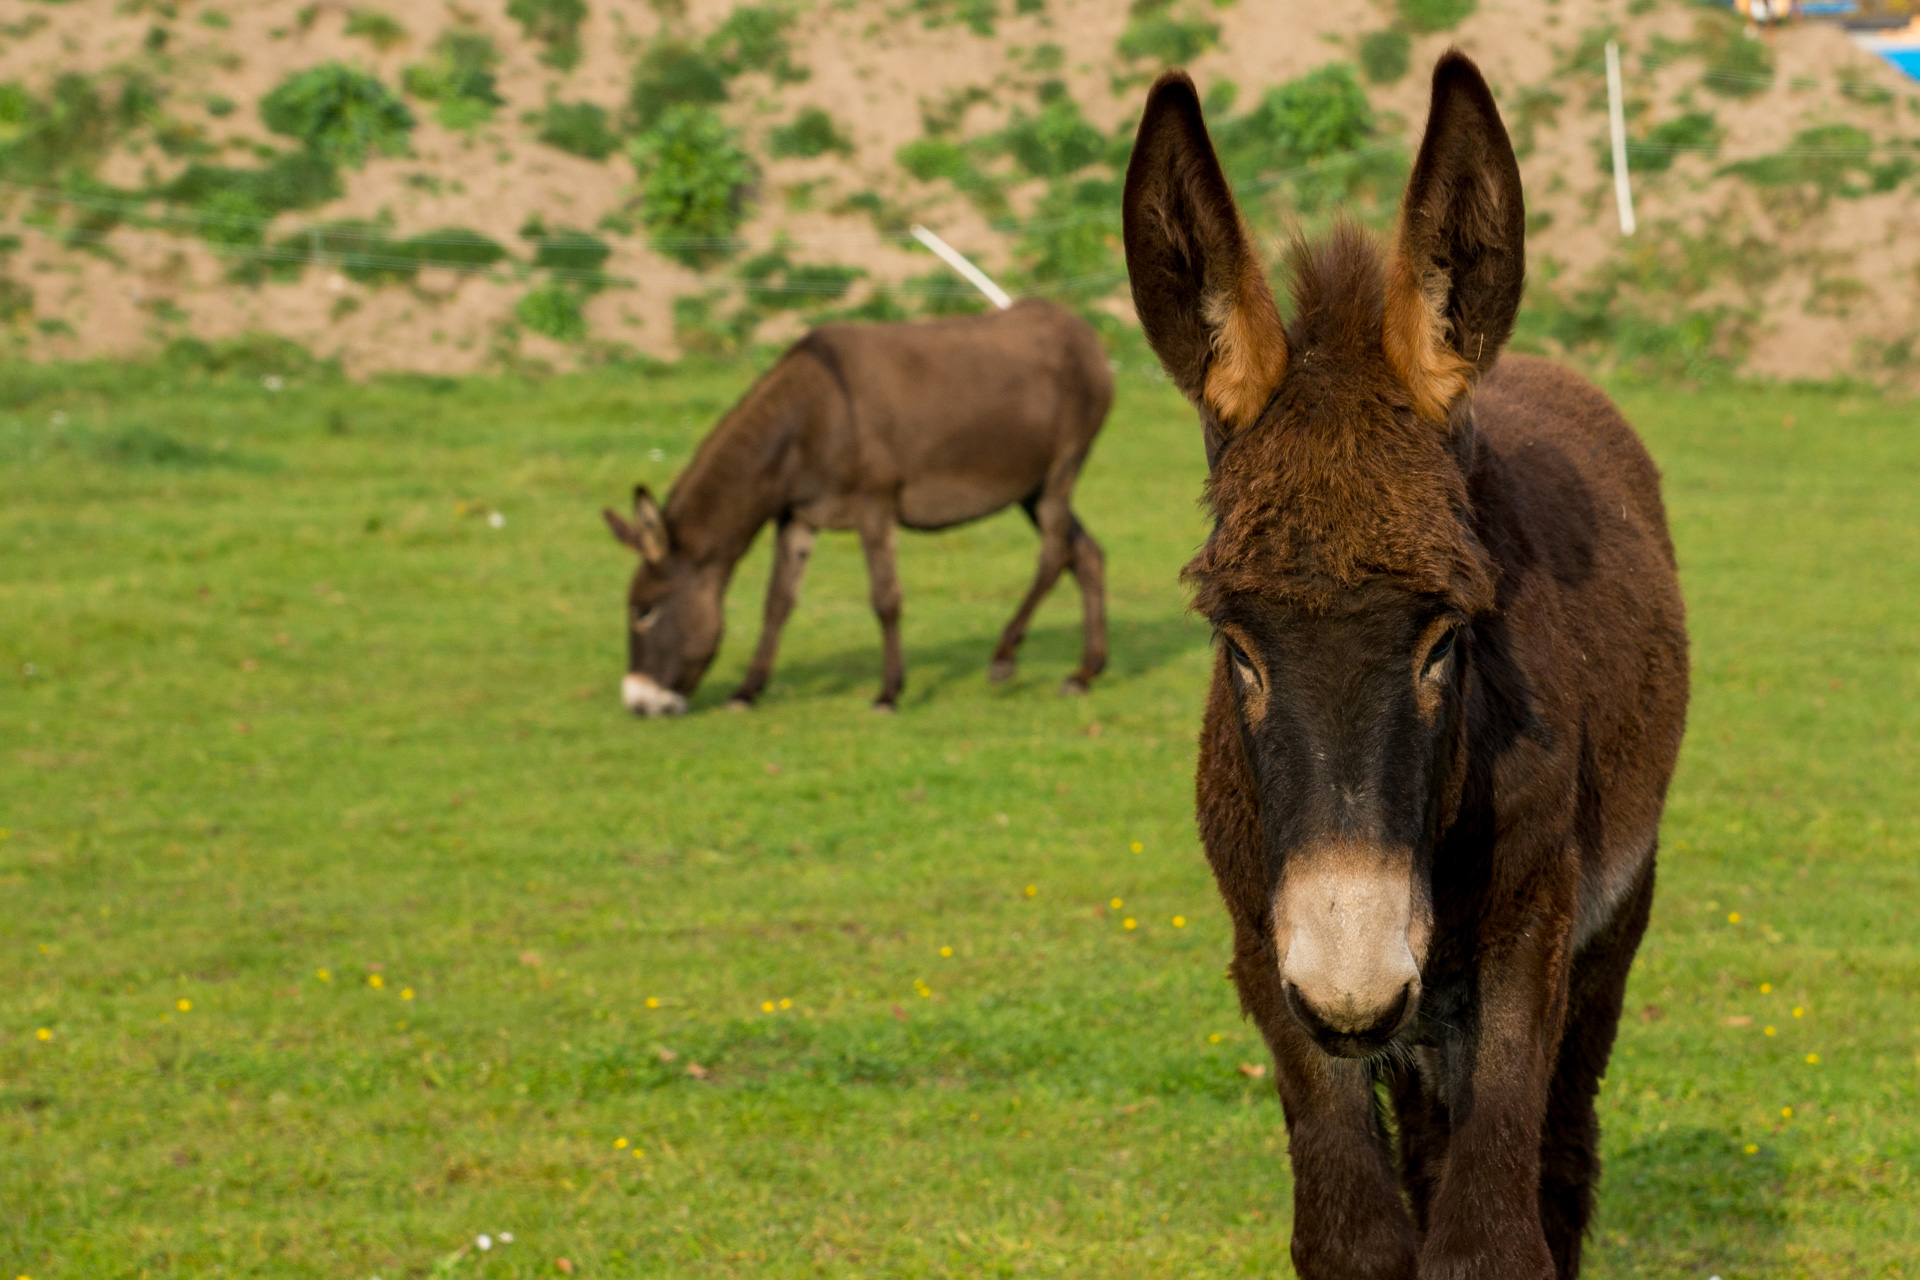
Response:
column 305, row 243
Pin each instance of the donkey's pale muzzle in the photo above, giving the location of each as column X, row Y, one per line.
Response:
column 1348, row 925
column 644, row 697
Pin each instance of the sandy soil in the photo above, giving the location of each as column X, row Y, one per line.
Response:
column 1844, row 294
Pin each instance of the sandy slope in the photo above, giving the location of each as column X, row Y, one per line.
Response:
column 1844, row 294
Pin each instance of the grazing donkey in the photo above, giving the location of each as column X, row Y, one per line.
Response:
column 866, row 427
column 1450, row 687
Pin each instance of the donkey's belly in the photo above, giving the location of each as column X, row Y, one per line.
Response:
column 938, row 502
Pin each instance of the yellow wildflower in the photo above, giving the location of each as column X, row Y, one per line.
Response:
column 653, row 1002
column 183, row 1004
column 1798, row 1012
column 1786, row 1113
column 785, row 1003
column 1752, row 1148
column 1770, row 1031
column 1179, row 922
column 375, row 981
column 946, row 951
column 323, row 975
column 1137, row 846
column 1733, row 917
column 1813, row 1059
column 1214, row 1038
column 766, row 1006
column 406, row 993
column 44, row 1033
column 1130, row 923
column 619, row 1144
column 1766, row 988
column 1031, row 890
column 1116, row 904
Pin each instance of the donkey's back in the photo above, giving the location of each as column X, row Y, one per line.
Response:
column 962, row 417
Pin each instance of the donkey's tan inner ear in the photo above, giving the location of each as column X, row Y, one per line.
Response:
column 1249, row 348
column 1415, row 335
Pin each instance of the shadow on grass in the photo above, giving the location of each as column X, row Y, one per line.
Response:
column 1689, row 1195
column 1137, row 647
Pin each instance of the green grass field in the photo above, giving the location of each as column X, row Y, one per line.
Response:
column 348, row 918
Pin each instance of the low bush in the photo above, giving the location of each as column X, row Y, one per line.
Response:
column 555, row 24
column 339, row 114
column 694, row 179
column 1434, row 15
column 555, row 311
column 754, row 38
column 1155, row 32
column 672, row 73
column 811, row 133
column 458, row 79
column 1384, row 55
column 579, row 128
column 377, row 28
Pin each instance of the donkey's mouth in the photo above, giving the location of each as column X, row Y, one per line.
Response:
column 644, row 697
column 1352, row 1041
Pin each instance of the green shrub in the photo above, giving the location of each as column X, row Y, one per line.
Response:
column 1072, row 245
column 672, row 74
column 16, row 301
column 1384, row 55
column 579, row 128
column 458, row 79
column 250, row 355
column 380, row 29
column 219, row 105
column 66, row 135
column 754, row 38
column 553, row 310
column 1666, row 142
column 812, row 133
column 339, row 114
column 1056, row 142
column 366, row 252
column 694, row 178
column 554, row 23
column 930, row 159
column 701, row 329
column 573, row 253
column 1832, row 160
column 1434, row 15
column 775, row 283
column 1156, row 33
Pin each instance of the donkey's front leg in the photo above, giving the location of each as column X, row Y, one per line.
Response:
column 1349, row 1222
column 877, row 540
column 1484, row 1219
column 792, row 544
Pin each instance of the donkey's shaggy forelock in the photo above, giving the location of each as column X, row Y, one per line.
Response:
column 1339, row 481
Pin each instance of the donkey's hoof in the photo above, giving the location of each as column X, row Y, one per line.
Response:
column 1073, row 687
column 1001, row 670
column 738, row 703
column 884, row 706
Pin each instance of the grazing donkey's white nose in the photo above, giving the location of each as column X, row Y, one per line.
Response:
column 645, row 698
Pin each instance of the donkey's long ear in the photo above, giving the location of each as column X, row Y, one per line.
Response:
column 1197, row 284
column 646, row 532
column 1461, row 258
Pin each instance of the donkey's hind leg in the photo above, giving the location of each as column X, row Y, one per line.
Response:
column 1570, row 1138
column 1050, row 515
column 792, row 544
column 883, row 576
column 1090, row 571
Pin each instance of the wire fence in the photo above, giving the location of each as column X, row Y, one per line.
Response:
column 153, row 217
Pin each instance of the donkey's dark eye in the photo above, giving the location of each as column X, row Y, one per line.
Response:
column 1441, row 648
column 1240, row 660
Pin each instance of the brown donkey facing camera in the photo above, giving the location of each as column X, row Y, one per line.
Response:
column 1450, row 688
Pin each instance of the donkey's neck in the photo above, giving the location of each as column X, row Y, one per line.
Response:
column 738, row 478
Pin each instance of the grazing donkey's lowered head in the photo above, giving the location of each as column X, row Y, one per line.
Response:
column 674, row 612
column 1344, row 574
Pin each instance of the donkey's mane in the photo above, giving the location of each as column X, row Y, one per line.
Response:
column 1339, row 483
